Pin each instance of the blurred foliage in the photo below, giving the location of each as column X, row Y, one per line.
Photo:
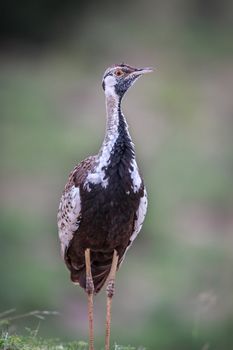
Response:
column 174, row 290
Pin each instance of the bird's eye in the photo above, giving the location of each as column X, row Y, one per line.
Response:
column 119, row 72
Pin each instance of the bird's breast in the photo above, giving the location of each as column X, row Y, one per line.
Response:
column 108, row 213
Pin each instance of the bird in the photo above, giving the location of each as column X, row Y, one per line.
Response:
column 104, row 203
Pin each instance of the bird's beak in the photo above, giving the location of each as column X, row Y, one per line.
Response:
column 140, row 71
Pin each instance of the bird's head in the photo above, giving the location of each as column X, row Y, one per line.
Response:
column 118, row 78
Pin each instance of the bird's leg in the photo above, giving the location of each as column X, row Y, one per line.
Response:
column 90, row 292
column 110, row 292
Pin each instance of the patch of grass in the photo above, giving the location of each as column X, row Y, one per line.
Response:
column 32, row 340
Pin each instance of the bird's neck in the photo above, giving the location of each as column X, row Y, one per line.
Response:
column 117, row 155
column 117, row 138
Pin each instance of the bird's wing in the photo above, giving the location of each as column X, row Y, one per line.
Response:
column 69, row 212
column 139, row 219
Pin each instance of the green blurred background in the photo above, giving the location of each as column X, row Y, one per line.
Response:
column 175, row 289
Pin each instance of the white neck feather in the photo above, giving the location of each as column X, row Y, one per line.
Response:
column 111, row 135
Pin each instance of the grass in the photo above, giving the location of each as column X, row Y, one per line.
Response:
column 32, row 340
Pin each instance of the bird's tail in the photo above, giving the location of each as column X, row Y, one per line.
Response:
column 99, row 275
column 101, row 263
